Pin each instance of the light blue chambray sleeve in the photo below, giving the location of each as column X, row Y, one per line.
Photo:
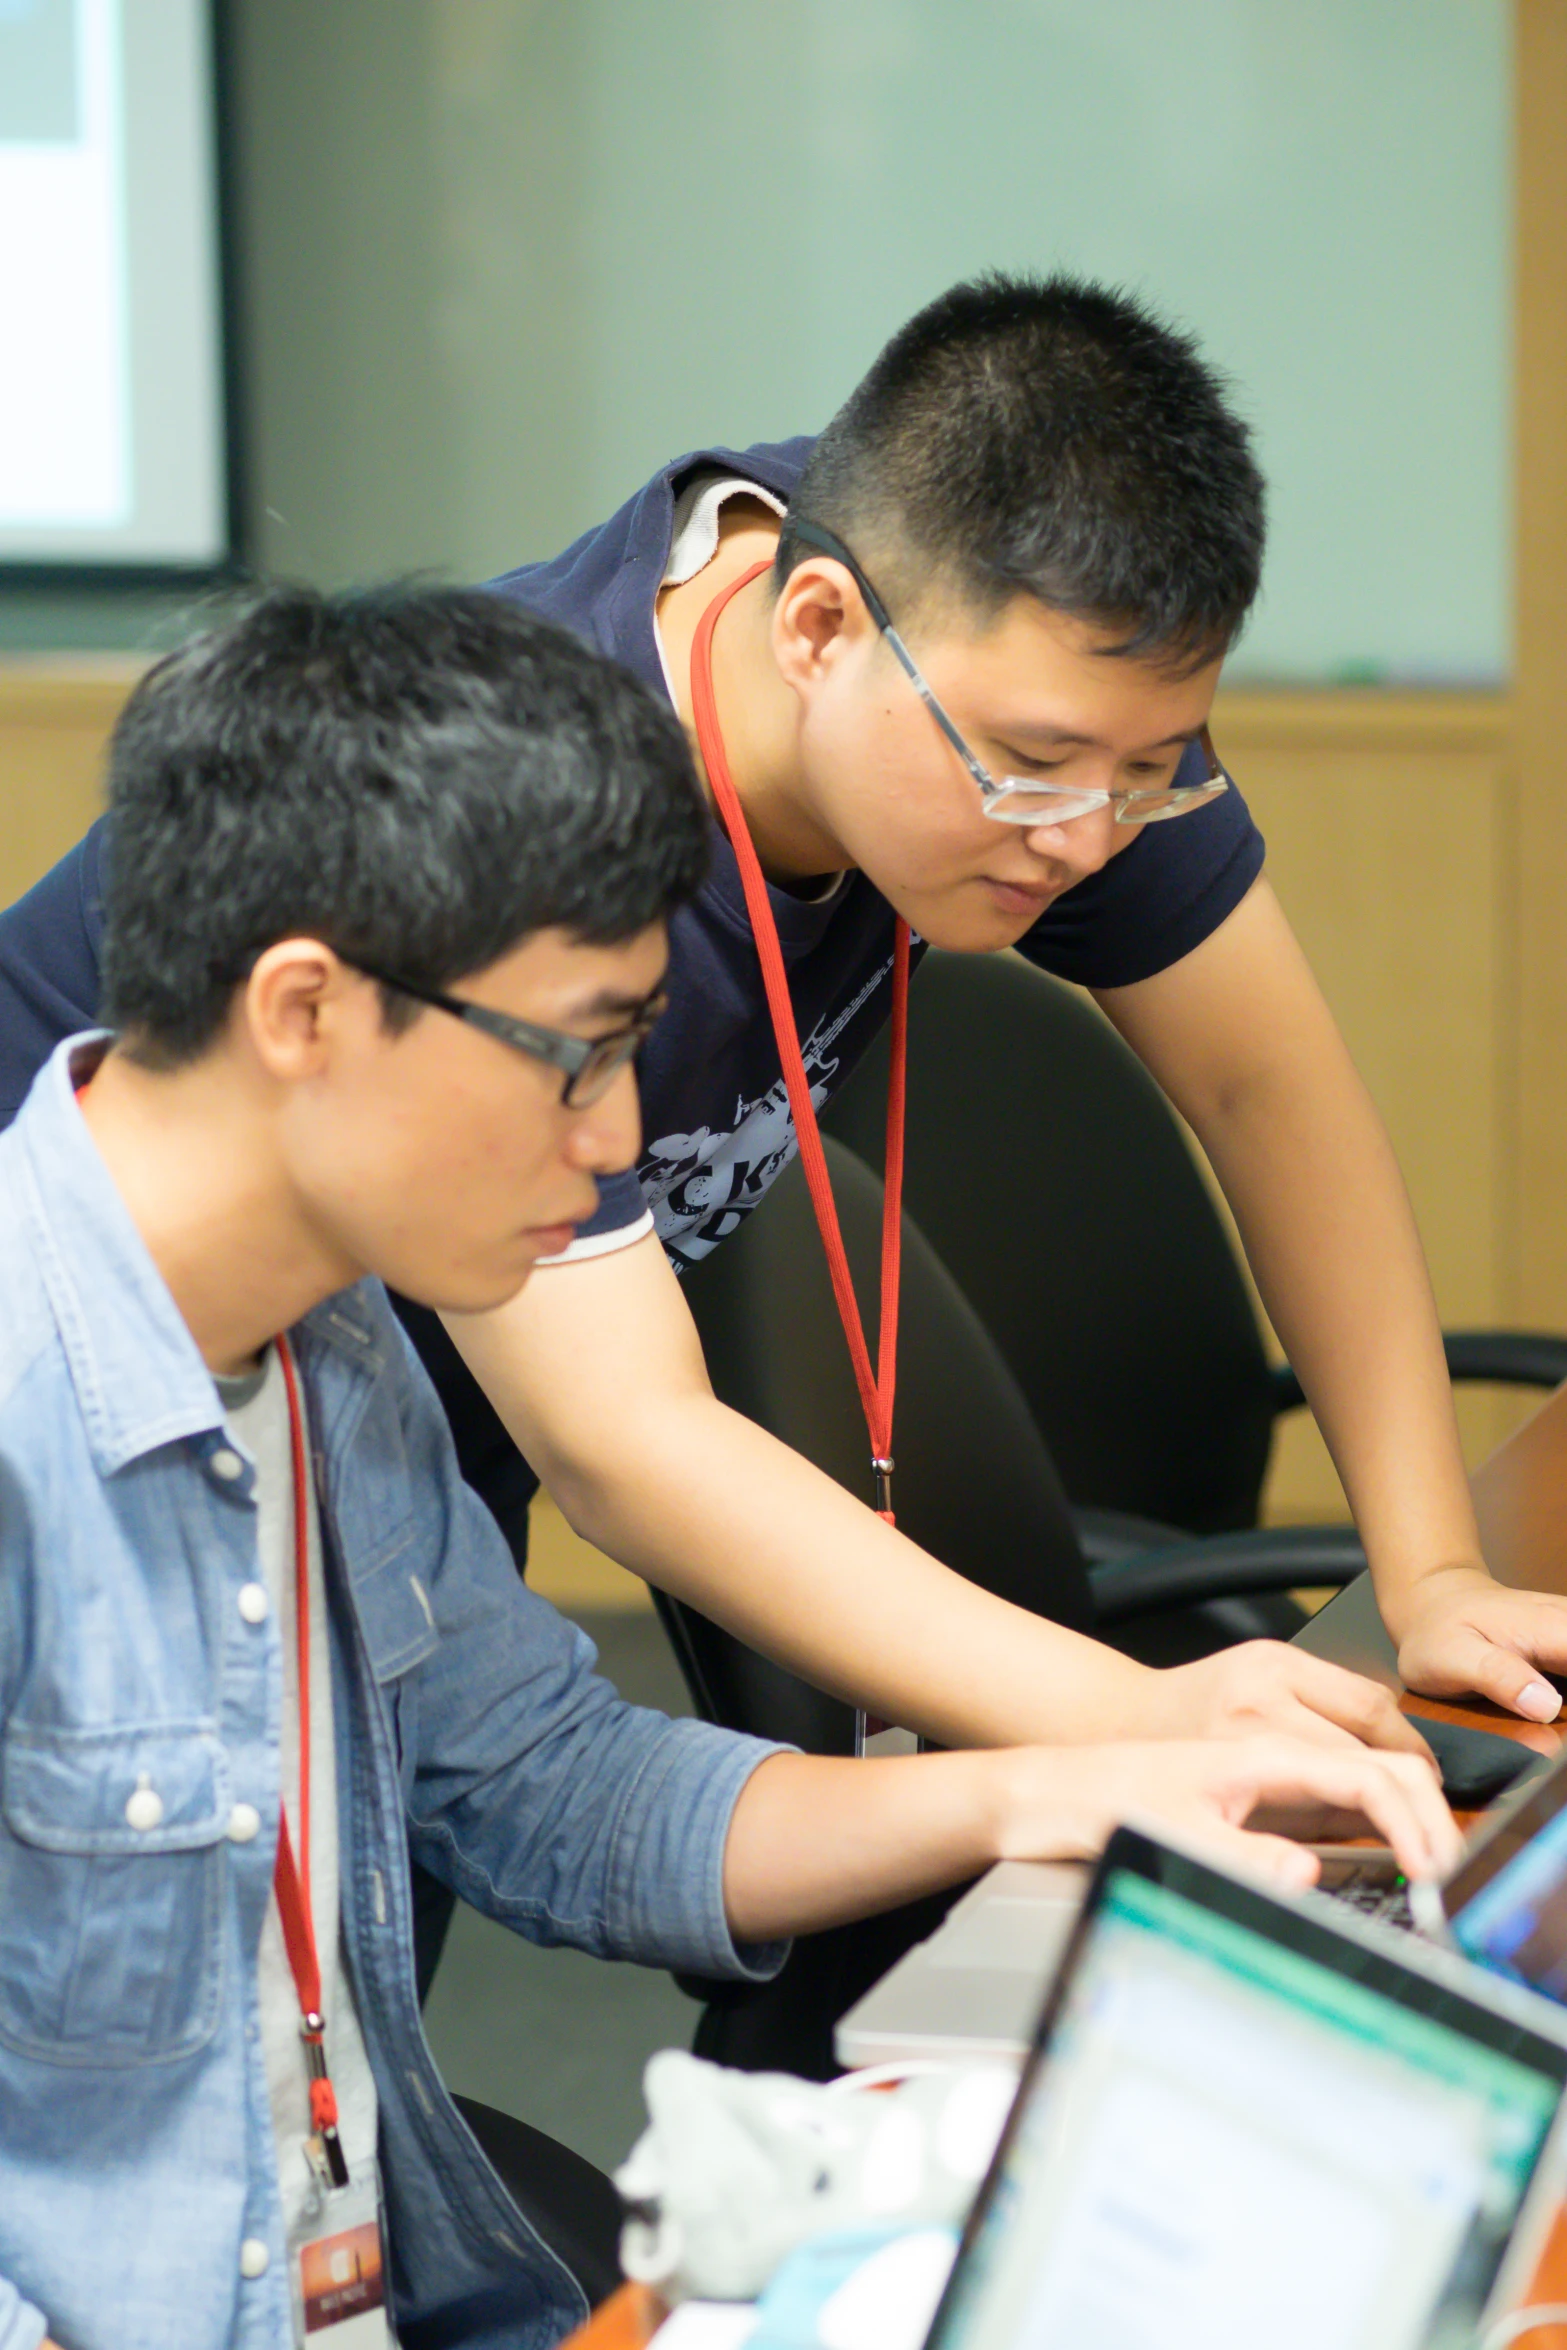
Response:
column 22, row 2327
column 531, row 1787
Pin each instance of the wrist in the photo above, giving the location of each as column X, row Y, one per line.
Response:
column 1404, row 1596
column 1050, row 1803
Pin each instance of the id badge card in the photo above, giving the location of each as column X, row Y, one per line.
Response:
column 337, row 2267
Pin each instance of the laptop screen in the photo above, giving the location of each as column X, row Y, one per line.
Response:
column 1517, row 1922
column 1506, row 1902
column 1240, row 2132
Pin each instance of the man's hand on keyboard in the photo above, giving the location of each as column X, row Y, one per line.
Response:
column 1209, row 1791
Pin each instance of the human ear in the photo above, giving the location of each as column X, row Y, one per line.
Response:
column 291, row 1004
column 819, row 618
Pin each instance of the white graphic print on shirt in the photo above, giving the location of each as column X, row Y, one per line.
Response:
column 701, row 1186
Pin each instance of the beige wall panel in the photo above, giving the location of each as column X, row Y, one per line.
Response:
column 55, row 722
column 1389, row 830
column 1540, row 1281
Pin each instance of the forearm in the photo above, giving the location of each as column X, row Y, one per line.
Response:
column 1240, row 1038
column 1332, row 1240
column 812, row 1842
column 597, row 1373
column 809, row 1848
column 708, row 1507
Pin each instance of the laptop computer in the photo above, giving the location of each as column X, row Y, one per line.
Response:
column 1249, row 2118
column 971, row 1989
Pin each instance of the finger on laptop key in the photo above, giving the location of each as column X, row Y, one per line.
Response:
column 1397, row 1794
column 1402, row 1796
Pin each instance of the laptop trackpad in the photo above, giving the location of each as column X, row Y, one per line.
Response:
column 1022, row 1935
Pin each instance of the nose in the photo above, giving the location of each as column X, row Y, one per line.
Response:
column 1083, row 843
column 607, row 1135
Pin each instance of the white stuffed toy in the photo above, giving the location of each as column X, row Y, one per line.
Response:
column 736, row 2169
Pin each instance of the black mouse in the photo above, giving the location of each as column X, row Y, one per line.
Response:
column 1476, row 1765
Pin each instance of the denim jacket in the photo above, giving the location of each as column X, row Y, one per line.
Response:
column 136, row 2149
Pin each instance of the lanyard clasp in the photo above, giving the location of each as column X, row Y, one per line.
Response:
column 323, row 2099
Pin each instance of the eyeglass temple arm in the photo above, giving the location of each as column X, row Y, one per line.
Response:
column 559, row 1052
column 811, row 534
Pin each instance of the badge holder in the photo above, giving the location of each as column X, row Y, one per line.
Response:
column 337, row 2266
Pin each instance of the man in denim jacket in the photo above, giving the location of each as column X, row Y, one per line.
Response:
column 386, row 924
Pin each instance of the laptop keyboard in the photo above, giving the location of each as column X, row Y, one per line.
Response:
column 1374, row 1895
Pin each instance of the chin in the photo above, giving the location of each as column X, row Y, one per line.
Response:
column 971, row 929
column 469, row 1290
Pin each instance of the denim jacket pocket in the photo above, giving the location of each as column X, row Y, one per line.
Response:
column 111, row 1857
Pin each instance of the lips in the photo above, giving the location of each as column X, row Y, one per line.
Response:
column 550, row 1239
column 1013, row 898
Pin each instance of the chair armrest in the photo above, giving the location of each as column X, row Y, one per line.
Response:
column 1498, row 1358
column 1507, row 1358
column 1106, row 1535
column 1225, row 1566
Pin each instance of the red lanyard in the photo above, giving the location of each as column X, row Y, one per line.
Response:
column 876, row 1388
column 291, row 1883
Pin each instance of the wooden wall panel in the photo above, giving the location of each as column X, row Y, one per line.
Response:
column 1390, row 822
column 55, row 722
column 1540, row 745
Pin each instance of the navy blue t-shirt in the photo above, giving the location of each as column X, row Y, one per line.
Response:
column 716, row 1123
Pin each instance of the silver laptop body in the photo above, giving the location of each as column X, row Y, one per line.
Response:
column 974, row 1988
column 1250, row 2118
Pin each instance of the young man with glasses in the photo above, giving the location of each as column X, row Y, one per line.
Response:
column 969, row 684
column 1001, row 584
column 254, row 1630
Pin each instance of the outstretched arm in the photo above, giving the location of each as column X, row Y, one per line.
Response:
column 597, row 1371
column 813, row 1842
column 1240, row 1038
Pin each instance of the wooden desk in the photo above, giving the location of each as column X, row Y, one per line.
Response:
column 630, row 2318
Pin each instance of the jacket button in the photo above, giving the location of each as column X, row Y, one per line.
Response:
column 253, row 1603
column 144, row 1809
column 244, row 1824
column 254, row 2258
column 227, row 1465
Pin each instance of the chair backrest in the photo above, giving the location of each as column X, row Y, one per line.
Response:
column 1049, row 1173
column 974, row 1484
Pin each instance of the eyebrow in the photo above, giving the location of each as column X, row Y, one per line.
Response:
column 1063, row 737
column 610, row 1003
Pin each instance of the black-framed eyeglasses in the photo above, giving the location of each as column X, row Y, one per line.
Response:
column 1023, row 799
column 590, row 1066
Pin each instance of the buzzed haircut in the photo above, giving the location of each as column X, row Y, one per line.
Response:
column 418, row 778
column 1049, row 438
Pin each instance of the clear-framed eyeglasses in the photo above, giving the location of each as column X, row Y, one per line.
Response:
column 1021, row 799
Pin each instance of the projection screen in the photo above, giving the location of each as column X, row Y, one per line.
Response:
column 113, row 427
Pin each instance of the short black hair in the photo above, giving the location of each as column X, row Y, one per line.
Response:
column 420, row 778
column 1051, row 438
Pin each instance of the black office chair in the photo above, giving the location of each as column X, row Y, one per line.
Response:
column 574, row 2207
column 1092, row 1252
column 974, row 1484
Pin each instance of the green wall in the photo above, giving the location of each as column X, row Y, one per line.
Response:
column 502, row 257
